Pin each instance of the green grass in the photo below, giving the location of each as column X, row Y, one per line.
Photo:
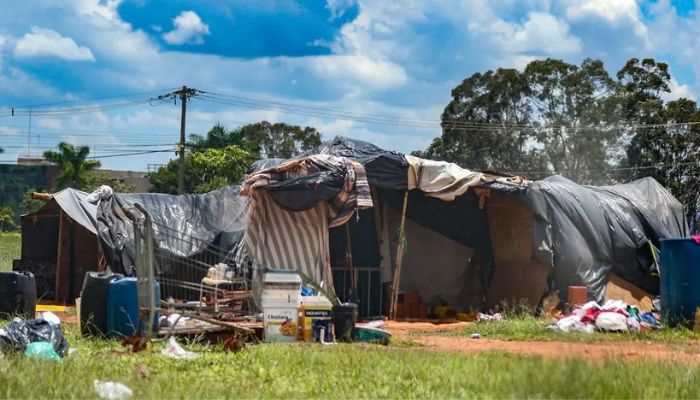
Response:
column 531, row 328
column 10, row 247
column 340, row 371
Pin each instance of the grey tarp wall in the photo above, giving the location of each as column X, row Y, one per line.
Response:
column 183, row 226
column 584, row 233
column 588, row 232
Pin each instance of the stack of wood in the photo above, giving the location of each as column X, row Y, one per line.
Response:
column 409, row 306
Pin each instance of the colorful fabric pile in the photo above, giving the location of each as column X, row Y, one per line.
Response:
column 613, row 316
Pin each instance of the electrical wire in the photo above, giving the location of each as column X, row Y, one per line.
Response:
column 149, row 93
column 321, row 112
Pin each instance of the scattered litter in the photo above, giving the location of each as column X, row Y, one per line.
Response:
column 72, row 351
column 174, row 350
column 41, row 351
column 173, row 320
column 112, row 390
column 51, row 318
column 475, row 336
column 18, row 334
column 488, row 317
column 573, row 323
column 611, row 321
column 377, row 324
column 613, row 316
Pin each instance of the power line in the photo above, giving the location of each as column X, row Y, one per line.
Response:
column 654, row 166
column 321, row 112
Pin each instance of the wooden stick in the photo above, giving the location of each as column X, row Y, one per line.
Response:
column 399, row 260
column 59, row 256
column 348, row 257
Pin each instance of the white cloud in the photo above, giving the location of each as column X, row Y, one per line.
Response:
column 42, row 42
column 542, row 33
column 678, row 91
column 358, row 69
column 617, row 13
column 189, row 28
column 337, row 8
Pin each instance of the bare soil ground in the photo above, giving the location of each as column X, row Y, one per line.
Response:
column 599, row 351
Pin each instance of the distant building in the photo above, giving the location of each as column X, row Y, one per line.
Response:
column 139, row 180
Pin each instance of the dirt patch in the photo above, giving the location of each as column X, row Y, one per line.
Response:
column 601, row 351
column 594, row 351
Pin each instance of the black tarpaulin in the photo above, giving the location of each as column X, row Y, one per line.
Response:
column 587, row 232
column 583, row 233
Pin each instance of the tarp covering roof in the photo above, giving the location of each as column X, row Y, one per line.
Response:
column 584, row 233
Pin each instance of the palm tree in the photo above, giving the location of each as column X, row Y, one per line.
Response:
column 73, row 164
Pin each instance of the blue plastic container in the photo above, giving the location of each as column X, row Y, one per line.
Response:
column 123, row 307
column 680, row 279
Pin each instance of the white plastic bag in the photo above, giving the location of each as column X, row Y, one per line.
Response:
column 112, row 390
column 612, row 322
column 51, row 318
column 573, row 323
column 174, row 350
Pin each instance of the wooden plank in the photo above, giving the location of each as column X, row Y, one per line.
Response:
column 59, row 256
column 399, row 259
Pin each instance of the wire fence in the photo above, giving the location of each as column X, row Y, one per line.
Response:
column 179, row 273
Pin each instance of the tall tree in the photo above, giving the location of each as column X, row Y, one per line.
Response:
column 261, row 139
column 480, row 124
column 204, row 170
column 279, row 140
column 575, row 105
column 73, row 164
column 549, row 117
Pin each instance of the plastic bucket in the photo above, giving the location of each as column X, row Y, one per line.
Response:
column 680, row 279
column 344, row 319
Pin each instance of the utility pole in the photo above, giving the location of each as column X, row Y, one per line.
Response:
column 184, row 94
column 181, row 146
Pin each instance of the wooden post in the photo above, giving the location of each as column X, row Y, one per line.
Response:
column 399, row 260
column 60, row 254
column 348, row 259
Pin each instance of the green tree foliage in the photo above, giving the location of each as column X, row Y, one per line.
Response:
column 74, row 166
column 665, row 149
column 95, row 179
column 30, row 204
column 7, row 220
column 577, row 121
column 545, row 118
column 205, row 170
column 222, row 156
column 261, row 139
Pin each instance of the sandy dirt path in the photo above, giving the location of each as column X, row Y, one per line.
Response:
column 600, row 351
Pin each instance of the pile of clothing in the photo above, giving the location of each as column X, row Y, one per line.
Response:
column 354, row 193
column 613, row 316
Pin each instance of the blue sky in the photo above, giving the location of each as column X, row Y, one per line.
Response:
column 399, row 61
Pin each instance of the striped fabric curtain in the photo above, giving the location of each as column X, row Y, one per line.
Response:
column 280, row 239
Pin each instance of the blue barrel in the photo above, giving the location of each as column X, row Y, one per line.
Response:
column 680, row 279
column 123, row 307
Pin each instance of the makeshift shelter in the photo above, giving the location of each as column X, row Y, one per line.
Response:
column 59, row 244
column 457, row 237
column 71, row 235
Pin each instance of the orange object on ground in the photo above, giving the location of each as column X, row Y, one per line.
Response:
column 578, row 295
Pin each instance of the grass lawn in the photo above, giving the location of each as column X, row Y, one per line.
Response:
column 340, row 371
column 531, row 328
column 10, row 247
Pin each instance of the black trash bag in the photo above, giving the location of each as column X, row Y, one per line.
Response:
column 17, row 335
